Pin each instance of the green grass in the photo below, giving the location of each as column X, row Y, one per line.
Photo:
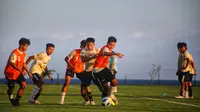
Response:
column 131, row 98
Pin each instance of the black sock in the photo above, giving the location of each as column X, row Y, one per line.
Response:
column 37, row 95
column 18, row 98
column 104, row 94
column 90, row 96
column 190, row 91
column 9, row 92
column 85, row 96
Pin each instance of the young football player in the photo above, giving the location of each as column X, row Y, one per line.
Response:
column 101, row 72
column 14, row 71
column 38, row 67
column 88, row 55
column 74, row 66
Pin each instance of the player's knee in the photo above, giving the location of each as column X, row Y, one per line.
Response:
column 114, row 82
column 22, row 85
column 66, row 84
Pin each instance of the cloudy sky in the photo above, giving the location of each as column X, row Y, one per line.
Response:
column 147, row 30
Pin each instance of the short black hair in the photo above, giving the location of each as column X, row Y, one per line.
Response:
column 179, row 45
column 112, row 39
column 83, row 43
column 90, row 39
column 50, row 45
column 184, row 44
column 24, row 41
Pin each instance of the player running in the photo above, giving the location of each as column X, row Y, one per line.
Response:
column 14, row 71
column 39, row 66
column 74, row 66
column 88, row 55
column 101, row 72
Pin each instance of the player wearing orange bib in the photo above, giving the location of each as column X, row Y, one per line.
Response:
column 102, row 74
column 74, row 66
column 14, row 71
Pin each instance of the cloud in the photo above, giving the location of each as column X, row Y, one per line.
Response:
column 138, row 34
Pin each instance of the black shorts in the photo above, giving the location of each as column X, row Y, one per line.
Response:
column 103, row 76
column 69, row 73
column 190, row 77
column 85, row 77
column 37, row 80
column 11, row 83
column 184, row 77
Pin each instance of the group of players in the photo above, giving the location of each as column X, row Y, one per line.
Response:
column 186, row 70
column 88, row 63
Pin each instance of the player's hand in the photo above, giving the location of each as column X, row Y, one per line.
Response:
column 120, row 55
column 30, row 76
column 178, row 72
column 23, row 72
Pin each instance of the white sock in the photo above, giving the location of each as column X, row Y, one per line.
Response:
column 35, row 91
column 114, row 89
column 62, row 97
column 11, row 96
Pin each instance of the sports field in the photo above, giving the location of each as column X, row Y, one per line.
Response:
column 131, row 98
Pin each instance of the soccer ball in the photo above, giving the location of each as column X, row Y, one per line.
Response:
column 106, row 101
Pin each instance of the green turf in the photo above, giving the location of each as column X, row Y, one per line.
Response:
column 131, row 98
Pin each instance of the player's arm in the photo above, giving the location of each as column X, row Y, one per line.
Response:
column 187, row 63
column 30, row 58
column 105, row 53
column 193, row 66
column 13, row 59
column 48, row 75
column 86, row 59
column 67, row 59
column 26, row 69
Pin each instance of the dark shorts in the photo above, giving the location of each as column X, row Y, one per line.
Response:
column 190, row 77
column 11, row 83
column 103, row 76
column 85, row 78
column 37, row 80
column 69, row 73
column 184, row 77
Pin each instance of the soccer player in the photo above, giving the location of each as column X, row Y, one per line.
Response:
column 112, row 66
column 38, row 67
column 74, row 66
column 184, row 61
column 88, row 55
column 14, row 71
column 101, row 72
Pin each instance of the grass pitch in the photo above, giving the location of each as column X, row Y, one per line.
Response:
column 131, row 98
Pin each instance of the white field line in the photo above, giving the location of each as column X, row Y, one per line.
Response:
column 154, row 99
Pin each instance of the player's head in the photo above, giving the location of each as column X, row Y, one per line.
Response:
column 24, row 43
column 111, row 42
column 179, row 46
column 90, row 42
column 83, row 44
column 50, row 48
column 183, row 47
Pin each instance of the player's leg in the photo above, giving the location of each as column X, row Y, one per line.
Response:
column 38, row 87
column 88, row 82
column 11, row 85
column 82, row 77
column 190, row 86
column 182, row 86
column 69, row 74
column 22, row 83
column 114, row 84
column 186, row 80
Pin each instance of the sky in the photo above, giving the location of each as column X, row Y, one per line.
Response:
column 147, row 31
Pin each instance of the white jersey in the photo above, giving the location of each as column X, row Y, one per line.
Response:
column 40, row 62
column 86, row 53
